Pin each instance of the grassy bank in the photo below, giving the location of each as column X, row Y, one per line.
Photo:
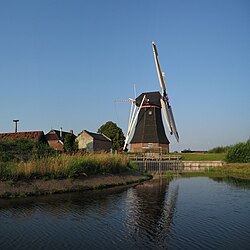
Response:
column 11, row 189
column 64, row 166
column 235, row 170
column 203, row 156
column 62, row 173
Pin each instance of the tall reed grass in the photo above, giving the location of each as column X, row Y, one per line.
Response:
column 65, row 166
column 240, row 152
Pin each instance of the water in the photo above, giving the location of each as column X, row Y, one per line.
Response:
column 188, row 213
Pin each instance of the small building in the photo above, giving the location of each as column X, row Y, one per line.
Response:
column 55, row 138
column 93, row 142
column 32, row 135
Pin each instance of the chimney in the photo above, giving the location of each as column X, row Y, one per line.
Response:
column 71, row 131
column 61, row 134
column 15, row 125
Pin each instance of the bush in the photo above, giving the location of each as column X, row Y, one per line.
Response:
column 70, row 143
column 7, row 170
column 23, row 150
column 42, row 150
column 239, row 153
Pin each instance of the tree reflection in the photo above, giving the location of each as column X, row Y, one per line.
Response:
column 233, row 181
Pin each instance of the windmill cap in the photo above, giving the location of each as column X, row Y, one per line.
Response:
column 152, row 98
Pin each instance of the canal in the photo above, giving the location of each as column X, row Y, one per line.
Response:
column 185, row 213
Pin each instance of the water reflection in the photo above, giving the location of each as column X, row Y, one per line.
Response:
column 122, row 218
column 188, row 213
column 68, row 221
column 60, row 204
column 151, row 207
column 233, row 181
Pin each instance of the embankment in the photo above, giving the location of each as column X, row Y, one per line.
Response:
column 190, row 166
column 234, row 170
column 11, row 189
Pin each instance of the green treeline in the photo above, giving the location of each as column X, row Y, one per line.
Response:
column 219, row 149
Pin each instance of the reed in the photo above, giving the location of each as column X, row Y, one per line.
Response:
column 65, row 166
column 240, row 152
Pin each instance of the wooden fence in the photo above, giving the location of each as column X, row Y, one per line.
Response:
column 161, row 163
column 157, row 163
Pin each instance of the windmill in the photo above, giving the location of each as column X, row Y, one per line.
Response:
column 145, row 112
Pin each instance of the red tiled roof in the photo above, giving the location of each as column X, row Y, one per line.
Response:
column 34, row 135
column 54, row 134
column 57, row 145
column 52, row 137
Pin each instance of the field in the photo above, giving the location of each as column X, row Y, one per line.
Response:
column 202, row 156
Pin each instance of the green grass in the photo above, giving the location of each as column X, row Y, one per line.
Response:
column 203, row 156
column 240, row 170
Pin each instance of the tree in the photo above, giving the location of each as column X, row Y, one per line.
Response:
column 70, row 143
column 111, row 130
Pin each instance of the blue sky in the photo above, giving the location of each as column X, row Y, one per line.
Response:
column 62, row 63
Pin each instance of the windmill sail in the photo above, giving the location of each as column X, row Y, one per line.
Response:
column 167, row 110
column 132, row 120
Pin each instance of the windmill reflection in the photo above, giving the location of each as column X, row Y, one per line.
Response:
column 151, row 208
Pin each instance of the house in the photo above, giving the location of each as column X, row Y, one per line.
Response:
column 93, row 142
column 33, row 135
column 55, row 138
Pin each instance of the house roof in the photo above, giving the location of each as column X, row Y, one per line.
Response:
column 54, row 134
column 33, row 135
column 57, row 145
column 96, row 136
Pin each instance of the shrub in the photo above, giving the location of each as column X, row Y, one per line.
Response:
column 23, row 150
column 7, row 170
column 70, row 143
column 239, row 152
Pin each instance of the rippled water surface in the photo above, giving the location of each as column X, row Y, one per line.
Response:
column 192, row 213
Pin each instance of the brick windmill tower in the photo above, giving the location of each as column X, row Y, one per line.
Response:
column 146, row 116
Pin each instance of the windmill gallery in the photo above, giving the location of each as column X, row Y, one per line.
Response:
column 145, row 118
